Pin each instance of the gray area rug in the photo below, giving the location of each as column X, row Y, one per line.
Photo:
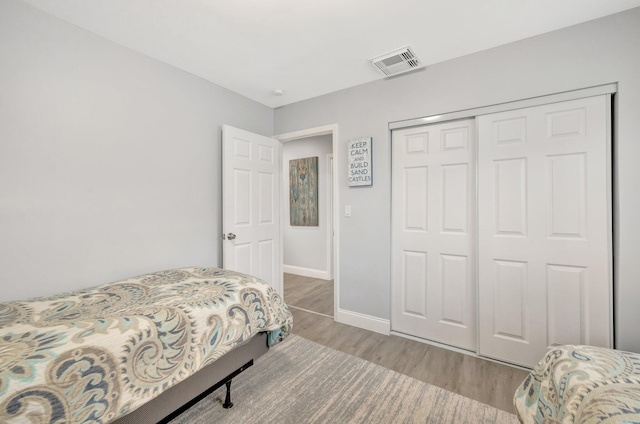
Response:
column 299, row 381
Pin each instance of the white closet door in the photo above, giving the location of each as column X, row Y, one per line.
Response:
column 433, row 210
column 544, row 263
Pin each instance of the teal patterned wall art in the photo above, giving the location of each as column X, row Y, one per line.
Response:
column 303, row 192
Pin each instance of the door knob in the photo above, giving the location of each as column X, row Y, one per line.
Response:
column 231, row 236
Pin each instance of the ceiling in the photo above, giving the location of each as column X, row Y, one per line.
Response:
column 309, row 48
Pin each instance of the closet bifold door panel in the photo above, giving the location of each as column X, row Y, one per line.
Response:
column 544, row 236
column 433, row 233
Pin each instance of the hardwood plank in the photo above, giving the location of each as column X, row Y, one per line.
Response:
column 312, row 294
column 479, row 379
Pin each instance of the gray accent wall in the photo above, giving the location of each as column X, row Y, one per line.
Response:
column 110, row 161
column 603, row 51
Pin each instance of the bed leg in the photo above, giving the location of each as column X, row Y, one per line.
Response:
column 227, row 401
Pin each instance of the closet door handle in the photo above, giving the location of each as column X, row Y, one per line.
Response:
column 231, row 236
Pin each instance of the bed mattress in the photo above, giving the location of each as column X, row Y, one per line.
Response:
column 97, row 354
column 581, row 384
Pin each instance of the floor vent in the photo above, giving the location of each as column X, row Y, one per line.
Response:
column 396, row 62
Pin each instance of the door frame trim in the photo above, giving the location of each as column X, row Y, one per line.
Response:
column 330, row 179
column 311, row 132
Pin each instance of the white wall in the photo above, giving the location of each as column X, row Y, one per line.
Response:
column 598, row 52
column 306, row 247
column 109, row 160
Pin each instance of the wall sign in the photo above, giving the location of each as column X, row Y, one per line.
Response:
column 359, row 153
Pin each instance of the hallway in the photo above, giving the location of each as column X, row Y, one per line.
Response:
column 309, row 294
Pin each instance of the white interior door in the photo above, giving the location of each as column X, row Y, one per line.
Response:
column 250, row 205
column 544, row 264
column 433, row 226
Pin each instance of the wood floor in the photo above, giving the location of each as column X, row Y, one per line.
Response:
column 311, row 294
column 478, row 379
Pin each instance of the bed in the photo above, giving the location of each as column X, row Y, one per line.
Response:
column 101, row 354
column 581, row 384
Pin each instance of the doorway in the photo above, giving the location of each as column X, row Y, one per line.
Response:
column 309, row 253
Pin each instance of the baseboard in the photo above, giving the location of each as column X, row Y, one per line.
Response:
column 367, row 322
column 306, row 272
column 459, row 350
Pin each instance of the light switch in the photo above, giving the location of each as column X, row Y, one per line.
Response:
column 347, row 210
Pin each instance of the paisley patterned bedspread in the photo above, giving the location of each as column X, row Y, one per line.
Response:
column 581, row 384
column 94, row 355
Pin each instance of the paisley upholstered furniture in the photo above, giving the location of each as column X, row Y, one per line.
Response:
column 581, row 384
column 99, row 354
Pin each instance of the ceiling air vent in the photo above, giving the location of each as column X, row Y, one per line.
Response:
column 397, row 61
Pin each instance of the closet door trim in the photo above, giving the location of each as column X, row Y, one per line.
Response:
column 503, row 107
